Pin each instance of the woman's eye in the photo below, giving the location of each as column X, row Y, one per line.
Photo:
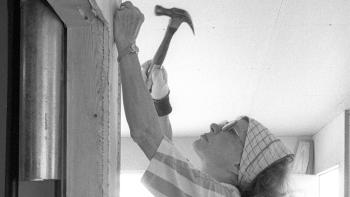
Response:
column 229, row 131
column 232, row 131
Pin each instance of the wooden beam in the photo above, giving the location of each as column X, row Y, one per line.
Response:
column 93, row 98
column 89, row 136
column 103, row 9
column 82, row 12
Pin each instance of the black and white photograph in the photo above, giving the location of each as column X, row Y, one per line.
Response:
column 185, row 98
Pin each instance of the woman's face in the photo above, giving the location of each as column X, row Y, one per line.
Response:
column 222, row 148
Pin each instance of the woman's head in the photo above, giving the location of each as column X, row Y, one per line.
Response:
column 238, row 151
column 221, row 149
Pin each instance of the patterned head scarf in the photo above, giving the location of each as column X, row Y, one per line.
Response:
column 261, row 149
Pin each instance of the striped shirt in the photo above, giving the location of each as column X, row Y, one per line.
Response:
column 170, row 174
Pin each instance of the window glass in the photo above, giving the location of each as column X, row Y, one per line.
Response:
column 329, row 182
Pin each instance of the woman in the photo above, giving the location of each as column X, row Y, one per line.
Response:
column 239, row 158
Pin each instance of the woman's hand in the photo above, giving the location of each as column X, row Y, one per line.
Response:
column 156, row 81
column 127, row 23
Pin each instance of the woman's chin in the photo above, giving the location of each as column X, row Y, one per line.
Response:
column 197, row 147
column 196, row 144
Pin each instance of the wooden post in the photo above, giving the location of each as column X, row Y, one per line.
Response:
column 93, row 99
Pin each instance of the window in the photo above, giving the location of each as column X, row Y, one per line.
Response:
column 329, row 182
column 130, row 184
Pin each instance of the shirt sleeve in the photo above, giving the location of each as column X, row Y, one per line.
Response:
column 170, row 174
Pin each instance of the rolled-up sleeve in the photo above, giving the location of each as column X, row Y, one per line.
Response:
column 172, row 175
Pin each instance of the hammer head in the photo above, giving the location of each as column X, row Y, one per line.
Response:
column 175, row 14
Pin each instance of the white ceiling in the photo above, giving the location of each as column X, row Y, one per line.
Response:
column 285, row 63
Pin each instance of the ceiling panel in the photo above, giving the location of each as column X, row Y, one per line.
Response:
column 284, row 63
column 315, row 12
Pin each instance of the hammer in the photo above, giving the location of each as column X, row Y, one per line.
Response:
column 177, row 16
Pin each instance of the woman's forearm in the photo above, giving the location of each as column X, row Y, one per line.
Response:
column 140, row 113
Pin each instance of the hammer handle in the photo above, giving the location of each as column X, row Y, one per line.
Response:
column 159, row 57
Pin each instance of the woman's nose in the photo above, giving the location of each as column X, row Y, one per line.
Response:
column 214, row 128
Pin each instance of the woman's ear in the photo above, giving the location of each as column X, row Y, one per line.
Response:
column 243, row 125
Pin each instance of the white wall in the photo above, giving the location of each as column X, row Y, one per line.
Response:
column 132, row 158
column 303, row 185
column 329, row 147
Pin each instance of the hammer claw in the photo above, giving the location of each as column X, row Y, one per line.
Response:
column 189, row 22
column 177, row 16
column 175, row 13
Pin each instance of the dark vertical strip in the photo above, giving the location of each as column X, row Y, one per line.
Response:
column 347, row 155
column 57, row 188
column 63, row 181
column 12, row 98
column 3, row 90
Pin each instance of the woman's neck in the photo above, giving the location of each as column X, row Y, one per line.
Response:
column 220, row 174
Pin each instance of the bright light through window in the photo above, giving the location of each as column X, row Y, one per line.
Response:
column 130, row 185
column 329, row 182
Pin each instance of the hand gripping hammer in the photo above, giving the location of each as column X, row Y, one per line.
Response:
column 177, row 16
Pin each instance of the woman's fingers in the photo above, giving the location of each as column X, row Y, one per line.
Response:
column 127, row 4
column 127, row 23
column 165, row 75
column 146, row 66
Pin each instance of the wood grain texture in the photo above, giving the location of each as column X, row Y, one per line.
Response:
column 103, row 10
column 92, row 113
column 73, row 13
column 82, row 12
column 93, row 98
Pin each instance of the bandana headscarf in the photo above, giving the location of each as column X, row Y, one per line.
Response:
column 261, row 149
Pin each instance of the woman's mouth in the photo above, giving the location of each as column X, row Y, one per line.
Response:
column 204, row 137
